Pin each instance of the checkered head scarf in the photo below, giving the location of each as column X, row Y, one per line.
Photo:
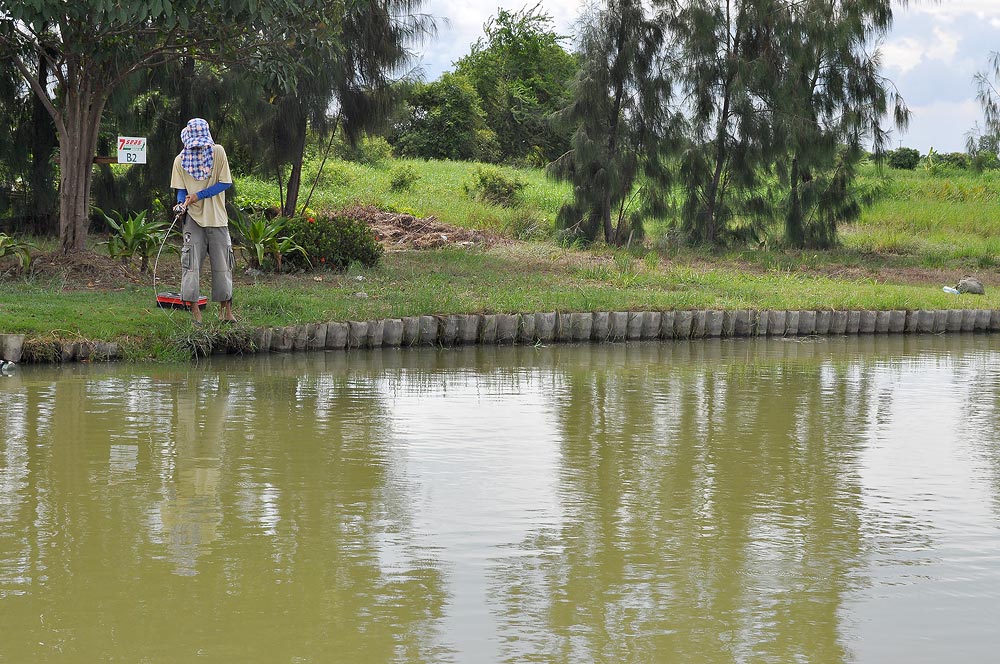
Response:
column 196, row 157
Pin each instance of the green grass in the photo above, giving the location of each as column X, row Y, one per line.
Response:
column 948, row 222
column 439, row 192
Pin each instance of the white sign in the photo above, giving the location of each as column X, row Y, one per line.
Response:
column 131, row 150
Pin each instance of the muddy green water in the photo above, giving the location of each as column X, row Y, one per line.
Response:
column 833, row 500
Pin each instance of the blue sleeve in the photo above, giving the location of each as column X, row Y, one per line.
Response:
column 216, row 188
column 182, row 195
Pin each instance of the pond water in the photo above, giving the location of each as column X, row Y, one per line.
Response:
column 831, row 500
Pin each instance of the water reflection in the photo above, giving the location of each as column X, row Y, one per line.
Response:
column 827, row 501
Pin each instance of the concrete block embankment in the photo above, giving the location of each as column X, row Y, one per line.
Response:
column 568, row 327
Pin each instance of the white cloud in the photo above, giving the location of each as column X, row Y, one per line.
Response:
column 926, row 125
column 903, row 54
column 906, row 53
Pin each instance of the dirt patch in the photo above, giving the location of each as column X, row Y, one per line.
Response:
column 404, row 231
column 84, row 270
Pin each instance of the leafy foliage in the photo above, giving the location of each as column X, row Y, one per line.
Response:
column 334, row 242
column 522, row 74
column 403, row 178
column 620, row 118
column 135, row 235
column 492, row 186
column 262, row 240
column 904, row 158
column 445, row 120
column 19, row 249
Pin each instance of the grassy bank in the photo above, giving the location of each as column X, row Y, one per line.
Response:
column 925, row 232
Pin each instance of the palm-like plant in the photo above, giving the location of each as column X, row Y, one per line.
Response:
column 260, row 237
column 20, row 249
column 134, row 235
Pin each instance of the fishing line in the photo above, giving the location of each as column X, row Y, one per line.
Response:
column 181, row 210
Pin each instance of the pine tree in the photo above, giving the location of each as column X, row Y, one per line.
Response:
column 620, row 116
column 828, row 104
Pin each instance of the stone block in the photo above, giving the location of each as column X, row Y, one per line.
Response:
column 667, row 324
column 581, row 326
column 953, row 323
column 650, row 325
column 317, row 336
column 545, row 327
column 741, row 325
column 823, row 320
column 683, row 322
column 411, row 330
column 853, row 322
column 807, row 323
column 838, row 322
column 392, row 332
column 376, row 332
column 897, row 322
column 969, row 320
column 428, row 330
column 11, row 346
column 713, row 324
column 619, row 326
column 791, row 323
column 634, row 332
column 506, row 328
column 698, row 324
column 282, row 339
column 600, row 329
column 866, row 324
column 526, row 329
column 468, row 328
column 357, row 334
column 336, row 335
column 488, row 329
column 982, row 320
column 940, row 321
column 882, row 322
column 776, row 323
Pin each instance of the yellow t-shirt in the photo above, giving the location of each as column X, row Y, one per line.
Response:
column 210, row 212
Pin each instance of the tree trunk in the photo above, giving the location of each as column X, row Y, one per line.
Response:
column 295, row 177
column 84, row 103
column 43, row 144
column 793, row 221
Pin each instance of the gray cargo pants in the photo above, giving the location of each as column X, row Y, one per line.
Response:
column 216, row 244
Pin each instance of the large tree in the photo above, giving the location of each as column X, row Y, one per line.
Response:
column 829, row 104
column 620, row 118
column 522, row 74
column 88, row 48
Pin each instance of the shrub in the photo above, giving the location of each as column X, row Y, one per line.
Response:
column 334, row 242
column 368, row 150
column 403, row 178
column 261, row 238
column 492, row 186
column 19, row 249
column 904, row 158
column 134, row 236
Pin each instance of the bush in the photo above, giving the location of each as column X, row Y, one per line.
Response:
column 492, row 186
column 369, row 151
column 904, row 158
column 333, row 242
column 403, row 178
column 19, row 249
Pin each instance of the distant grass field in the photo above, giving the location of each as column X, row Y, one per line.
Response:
column 439, row 191
column 942, row 219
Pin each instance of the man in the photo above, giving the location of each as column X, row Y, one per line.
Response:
column 201, row 177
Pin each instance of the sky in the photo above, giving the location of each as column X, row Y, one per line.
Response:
column 932, row 55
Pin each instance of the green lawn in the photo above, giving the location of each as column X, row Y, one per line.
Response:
column 924, row 232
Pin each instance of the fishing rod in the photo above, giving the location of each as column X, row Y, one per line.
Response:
column 170, row 300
